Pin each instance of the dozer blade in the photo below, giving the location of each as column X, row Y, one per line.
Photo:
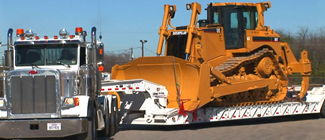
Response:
column 192, row 79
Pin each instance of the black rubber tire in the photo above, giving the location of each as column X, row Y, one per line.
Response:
column 116, row 115
column 107, row 118
column 113, row 121
column 322, row 111
column 92, row 125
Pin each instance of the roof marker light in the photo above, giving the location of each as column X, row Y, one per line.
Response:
column 36, row 37
column 55, row 37
column 71, row 36
column 45, row 37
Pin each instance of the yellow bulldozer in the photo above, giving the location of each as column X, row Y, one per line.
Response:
column 229, row 59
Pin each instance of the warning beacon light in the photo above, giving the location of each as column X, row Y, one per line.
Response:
column 20, row 32
column 78, row 30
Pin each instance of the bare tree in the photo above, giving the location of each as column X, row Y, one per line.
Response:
column 302, row 36
column 112, row 59
column 314, row 42
column 286, row 36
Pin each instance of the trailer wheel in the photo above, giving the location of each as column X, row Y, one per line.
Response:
column 117, row 120
column 322, row 111
column 107, row 118
column 113, row 119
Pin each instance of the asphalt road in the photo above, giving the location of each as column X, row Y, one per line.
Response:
column 301, row 127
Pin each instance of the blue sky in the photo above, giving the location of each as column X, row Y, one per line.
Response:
column 123, row 23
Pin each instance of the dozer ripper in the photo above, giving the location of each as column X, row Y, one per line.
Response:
column 230, row 59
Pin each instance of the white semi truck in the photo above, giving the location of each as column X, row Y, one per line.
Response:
column 50, row 87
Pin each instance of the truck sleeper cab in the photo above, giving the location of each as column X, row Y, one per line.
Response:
column 50, row 86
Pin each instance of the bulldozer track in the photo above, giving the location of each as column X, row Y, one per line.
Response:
column 255, row 97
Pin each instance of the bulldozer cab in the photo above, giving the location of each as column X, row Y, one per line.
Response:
column 232, row 20
column 235, row 20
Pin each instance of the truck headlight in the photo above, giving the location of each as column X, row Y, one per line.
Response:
column 70, row 102
column 2, row 103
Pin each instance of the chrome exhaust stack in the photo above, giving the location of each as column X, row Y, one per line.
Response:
column 9, row 51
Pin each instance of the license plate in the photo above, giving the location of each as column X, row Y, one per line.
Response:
column 53, row 126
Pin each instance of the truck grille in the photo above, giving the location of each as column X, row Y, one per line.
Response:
column 33, row 94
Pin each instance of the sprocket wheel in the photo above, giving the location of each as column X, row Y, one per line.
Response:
column 265, row 67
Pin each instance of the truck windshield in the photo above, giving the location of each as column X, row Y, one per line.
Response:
column 46, row 54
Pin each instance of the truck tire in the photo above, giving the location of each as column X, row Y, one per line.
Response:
column 107, row 118
column 117, row 120
column 322, row 111
column 92, row 124
column 92, row 130
column 113, row 120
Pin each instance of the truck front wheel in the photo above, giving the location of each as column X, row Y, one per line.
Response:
column 92, row 125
